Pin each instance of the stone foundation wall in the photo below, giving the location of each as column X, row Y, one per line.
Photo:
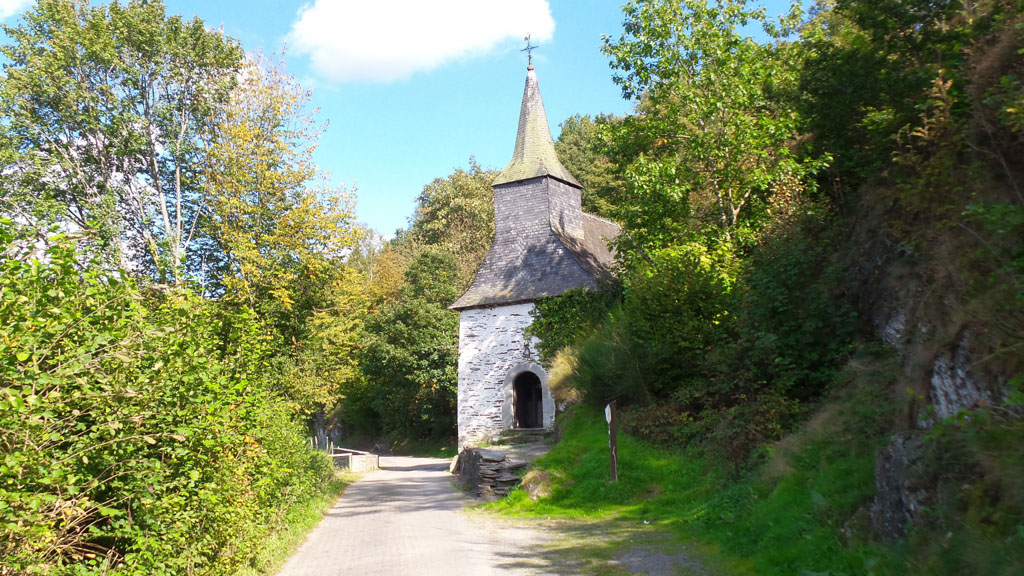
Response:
column 487, row 473
column 357, row 462
column 493, row 350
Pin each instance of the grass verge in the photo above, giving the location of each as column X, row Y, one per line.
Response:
column 297, row 522
column 805, row 508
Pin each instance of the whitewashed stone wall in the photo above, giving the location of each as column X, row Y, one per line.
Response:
column 493, row 350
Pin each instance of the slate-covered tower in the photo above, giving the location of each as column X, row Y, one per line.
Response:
column 544, row 244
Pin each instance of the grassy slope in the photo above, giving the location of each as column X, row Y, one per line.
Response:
column 298, row 522
column 803, row 511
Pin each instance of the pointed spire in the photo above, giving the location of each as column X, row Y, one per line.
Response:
column 534, row 155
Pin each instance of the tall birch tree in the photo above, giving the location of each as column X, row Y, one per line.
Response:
column 108, row 113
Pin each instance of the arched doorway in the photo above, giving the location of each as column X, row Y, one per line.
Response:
column 527, row 401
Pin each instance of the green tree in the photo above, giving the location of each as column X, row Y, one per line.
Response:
column 457, row 213
column 366, row 254
column 277, row 236
column 715, row 132
column 866, row 68
column 410, row 350
column 109, row 112
column 325, row 365
column 580, row 149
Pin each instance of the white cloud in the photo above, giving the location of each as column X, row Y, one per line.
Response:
column 385, row 40
column 9, row 8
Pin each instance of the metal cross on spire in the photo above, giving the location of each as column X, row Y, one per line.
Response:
column 529, row 51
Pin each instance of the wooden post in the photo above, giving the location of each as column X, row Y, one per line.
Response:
column 613, row 445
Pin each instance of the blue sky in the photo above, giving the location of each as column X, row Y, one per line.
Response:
column 412, row 88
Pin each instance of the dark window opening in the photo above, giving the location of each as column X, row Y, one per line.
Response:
column 527, row 402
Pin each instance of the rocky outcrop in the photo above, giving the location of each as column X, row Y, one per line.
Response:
column 921, row 311
column 897, row 502
column 953, row 384
column 952, row 359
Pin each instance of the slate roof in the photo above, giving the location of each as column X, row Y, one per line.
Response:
column 533, row 255
column 593, row 253
column 534, row 155
column 516, row 271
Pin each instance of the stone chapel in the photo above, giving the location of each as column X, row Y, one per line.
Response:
column 544, row 244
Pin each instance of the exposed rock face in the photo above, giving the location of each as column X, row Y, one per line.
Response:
column 921, row 317
column 953, row 382
column 488, row 472
column 953, row 386
column 897, row 503
column 951, row 357
column 891, row 330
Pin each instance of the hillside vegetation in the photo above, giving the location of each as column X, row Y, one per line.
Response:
column 818, row 338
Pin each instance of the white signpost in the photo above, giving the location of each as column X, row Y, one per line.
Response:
column 613, row 447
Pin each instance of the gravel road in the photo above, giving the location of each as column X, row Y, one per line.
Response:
column 404, row 520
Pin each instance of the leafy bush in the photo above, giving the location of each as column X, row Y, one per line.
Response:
column 559, row 321
column 675, row 309
column 680, row 307
column 796, row 318
column 707, row 346
column 136, row 431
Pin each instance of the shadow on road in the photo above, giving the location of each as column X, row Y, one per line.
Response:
column 599, row 547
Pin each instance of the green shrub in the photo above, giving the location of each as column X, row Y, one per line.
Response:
column 796, row 319
column 711, row 347
column 135, row 430
column 563, row 320
column 680, row 305
column 676, row 308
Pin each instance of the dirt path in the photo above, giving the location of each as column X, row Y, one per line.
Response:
column 408, row 520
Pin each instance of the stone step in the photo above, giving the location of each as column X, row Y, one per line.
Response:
column 525, row 436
